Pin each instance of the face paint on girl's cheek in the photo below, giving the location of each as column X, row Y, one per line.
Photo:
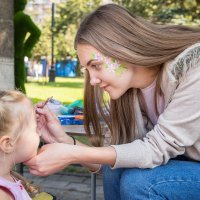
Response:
column 111, row 64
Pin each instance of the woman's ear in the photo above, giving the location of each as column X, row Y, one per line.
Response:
column 7, row 144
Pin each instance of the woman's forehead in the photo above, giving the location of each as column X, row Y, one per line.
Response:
column 86, row 49
column 86, row 53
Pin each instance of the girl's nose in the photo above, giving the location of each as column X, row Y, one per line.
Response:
column 94, row 81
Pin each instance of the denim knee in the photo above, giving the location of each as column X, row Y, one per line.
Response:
column 111, row 183
column 110, row 175
column 175, row 181
column 133, row 184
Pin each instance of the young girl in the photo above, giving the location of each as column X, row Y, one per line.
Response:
column 18, row 141
column 151, row 123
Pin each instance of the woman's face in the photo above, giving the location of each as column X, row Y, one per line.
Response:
column 113, row 76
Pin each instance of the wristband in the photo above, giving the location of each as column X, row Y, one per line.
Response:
column 73, row 139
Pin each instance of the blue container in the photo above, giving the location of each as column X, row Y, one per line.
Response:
column 78, row 122
column 66, row 68
column 70, row 120
column 66, row 119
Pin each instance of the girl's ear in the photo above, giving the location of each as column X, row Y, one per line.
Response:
column 6, row 144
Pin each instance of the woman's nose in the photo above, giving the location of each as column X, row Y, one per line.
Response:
column 94, row 81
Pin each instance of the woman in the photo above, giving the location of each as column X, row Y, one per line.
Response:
column 146, row 137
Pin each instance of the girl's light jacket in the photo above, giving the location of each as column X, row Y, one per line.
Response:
column 177, row 131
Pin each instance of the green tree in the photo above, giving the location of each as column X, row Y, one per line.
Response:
column 165, row 11
column 67, row 18
column 72, row 12
column 43, row 47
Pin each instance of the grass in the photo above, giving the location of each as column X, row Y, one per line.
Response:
column 65, row 90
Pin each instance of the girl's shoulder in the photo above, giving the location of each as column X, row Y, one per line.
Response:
column 6, row 189
column 5, row 194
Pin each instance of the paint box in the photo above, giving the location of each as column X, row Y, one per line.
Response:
column 70, row 119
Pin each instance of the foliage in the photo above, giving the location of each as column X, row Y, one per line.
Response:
column 165, row 11
column 67, row 18
column 69, row 14
column 43, row 47
column 72, row 12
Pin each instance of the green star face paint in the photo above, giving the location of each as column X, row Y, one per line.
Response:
column 111, row 64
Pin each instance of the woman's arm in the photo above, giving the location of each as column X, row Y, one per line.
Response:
column 54, row 157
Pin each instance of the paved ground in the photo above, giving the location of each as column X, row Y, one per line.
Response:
column 69, row 186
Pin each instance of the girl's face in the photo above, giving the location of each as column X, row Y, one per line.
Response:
column 28, row 141
column 113, row 76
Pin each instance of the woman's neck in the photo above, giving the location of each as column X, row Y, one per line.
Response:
column 151, row 75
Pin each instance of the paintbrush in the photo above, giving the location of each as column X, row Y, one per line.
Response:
column 47, row 100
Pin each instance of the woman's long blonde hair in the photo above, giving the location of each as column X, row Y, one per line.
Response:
column 117, row 33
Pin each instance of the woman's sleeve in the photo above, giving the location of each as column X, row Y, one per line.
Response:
column 178, row 127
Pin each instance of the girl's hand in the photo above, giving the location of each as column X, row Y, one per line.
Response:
column 50, row 159
column 49, row 126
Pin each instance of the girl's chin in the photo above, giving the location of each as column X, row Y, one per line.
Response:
column 29, row 158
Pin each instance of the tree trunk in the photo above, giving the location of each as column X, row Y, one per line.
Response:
column 6, row 45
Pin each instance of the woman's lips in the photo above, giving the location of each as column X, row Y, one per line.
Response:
column 106, row 87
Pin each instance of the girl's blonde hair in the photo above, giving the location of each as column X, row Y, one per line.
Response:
column 14, row 115
column 117, row 33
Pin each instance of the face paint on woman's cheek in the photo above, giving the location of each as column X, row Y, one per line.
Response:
column 114, row 65
column 97, row 56
column 111, row 64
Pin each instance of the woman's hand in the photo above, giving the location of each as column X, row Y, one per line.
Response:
column 49, row 126
column 51, row 158
column 55, row 157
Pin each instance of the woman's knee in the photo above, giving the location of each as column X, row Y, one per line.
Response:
column 110, row 174
column 111, row 182
column 132, row 184
column 163, row 182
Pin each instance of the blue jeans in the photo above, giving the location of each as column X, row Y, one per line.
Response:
column 177, row 180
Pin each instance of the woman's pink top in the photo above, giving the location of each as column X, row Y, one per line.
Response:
column 148, row 95
column 15, row 188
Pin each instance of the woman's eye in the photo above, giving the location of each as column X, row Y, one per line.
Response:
column 83, row 69
column 96, row 66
